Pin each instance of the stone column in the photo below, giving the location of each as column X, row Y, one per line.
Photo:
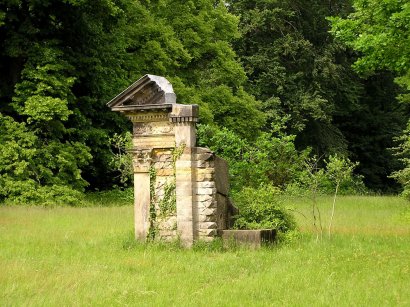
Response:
column 184, row 118
column 142, row 199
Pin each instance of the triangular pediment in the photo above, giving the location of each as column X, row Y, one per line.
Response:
column 149, row 92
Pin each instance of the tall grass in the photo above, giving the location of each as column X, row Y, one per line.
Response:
column 356, row 215
column 87, row 256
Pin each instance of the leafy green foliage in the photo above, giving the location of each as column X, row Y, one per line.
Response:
column 271, row 159
column 339, row 169
column 295, row 67
column 379, row 31
column 370, row 130
column 403, row 151
column 61, row 61
column 34, row 172
column 321, row 177
column 121, row 159
column 45, row 89
column 262, row 208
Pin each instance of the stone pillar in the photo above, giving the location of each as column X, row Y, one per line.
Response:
column 141, row 164
column 184, row 118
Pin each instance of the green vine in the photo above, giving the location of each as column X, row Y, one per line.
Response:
column 168, row 203
column 176, row 153
column 153, row 229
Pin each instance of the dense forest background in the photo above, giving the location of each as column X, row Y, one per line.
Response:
column 277, row 82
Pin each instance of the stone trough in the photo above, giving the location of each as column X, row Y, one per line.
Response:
column 251, row 238
column 180, row 190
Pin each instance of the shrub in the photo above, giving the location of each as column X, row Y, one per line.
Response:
column 262, row 208
column 36, row 172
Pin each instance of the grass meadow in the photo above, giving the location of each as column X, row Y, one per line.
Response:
column 87, row 256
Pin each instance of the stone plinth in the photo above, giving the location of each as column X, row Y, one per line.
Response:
column 252, row 238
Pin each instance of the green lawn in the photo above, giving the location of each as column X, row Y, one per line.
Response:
column 86, row 256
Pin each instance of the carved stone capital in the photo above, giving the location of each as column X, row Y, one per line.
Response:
column 141, row 160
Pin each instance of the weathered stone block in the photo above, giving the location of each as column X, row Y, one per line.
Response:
column 184, row 110
column 141, row 205
column 211, row 204
column 207, row 232
column 165, row 172
column 222, row 211
column 208, row 211
column 203, row 198
column 204, row 156
column 205, row 191
column 204, row 164
column 185, row 133
column 154, row 142
column 206, row 218
column 221, row 176
column 205, row 171
column 202, row 150
column 207, row 225
column 169, row 223
column 205, row 184
column 204, row 177
column 185, row 164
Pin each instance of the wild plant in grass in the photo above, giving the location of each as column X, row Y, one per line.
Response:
column 313, row 177
column 338, row 170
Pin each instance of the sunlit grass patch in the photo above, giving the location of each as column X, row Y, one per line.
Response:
column 370, row 215
column 87, row 256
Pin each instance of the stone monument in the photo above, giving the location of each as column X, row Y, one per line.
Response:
column 180, row 190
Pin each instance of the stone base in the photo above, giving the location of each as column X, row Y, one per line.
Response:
column 252, row 238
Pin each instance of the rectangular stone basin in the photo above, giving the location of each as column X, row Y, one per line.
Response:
column 252, row 238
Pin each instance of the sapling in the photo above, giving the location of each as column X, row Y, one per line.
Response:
column 313, row 180
column 338, row 170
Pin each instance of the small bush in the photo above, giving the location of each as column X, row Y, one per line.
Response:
column 262, row 208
